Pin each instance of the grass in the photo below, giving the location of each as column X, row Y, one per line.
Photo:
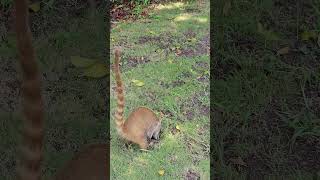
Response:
column 163, row 52
column 266, row 105
column 75, row 112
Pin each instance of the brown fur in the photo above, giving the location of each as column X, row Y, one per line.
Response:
column 142, row 124
column 89, row 164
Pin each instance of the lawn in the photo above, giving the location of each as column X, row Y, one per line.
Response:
column 265, row 94
column 168, row 52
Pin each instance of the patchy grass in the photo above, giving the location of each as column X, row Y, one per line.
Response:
column 168, row 52
column 75, row 112
column 266, row 105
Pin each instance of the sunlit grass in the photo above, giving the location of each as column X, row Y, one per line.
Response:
column 170, row 6
column 172, row 154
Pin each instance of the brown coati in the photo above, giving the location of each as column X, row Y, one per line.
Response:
column 89, row 164
column 142, row 124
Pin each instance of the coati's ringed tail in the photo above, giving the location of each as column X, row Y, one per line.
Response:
column 120, row 95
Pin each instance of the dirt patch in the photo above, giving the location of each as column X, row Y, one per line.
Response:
column 164, row 41
column 202, row 68
column 134, row 61
column 204, row 78
column 191, row 107
column 202, row 47
column 192, row 10
column 177, row 83
column 150, row 96
column 200, row 65
column 173, row 129
column 191, row 175
column 147, row 39
column 173, row 84
column 189, row 33
column 125, row 10
column 185, row 75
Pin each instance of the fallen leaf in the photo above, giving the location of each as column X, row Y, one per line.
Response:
column 307, row 35
column 170, row 61
column 82, row 62
column 192, row 40
column 178, row 127
column 152, row 32
column 137, row 82
column 283, row 51
column 161, row 172
column 35, row 7
column 97, row 70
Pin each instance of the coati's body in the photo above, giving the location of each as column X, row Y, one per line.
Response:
column 142, row 124
column 89, row 164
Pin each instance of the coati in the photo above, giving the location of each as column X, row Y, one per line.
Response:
column 89, row 164
column 142, row 124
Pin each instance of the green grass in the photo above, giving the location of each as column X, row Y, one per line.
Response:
column 171, row 86
column 266, row 106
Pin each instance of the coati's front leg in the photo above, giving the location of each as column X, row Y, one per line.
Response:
column 156, row 134
column 143, row 143
column 155, row 131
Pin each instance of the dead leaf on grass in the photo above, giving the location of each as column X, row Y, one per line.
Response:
column 283, row 51
column 35, row 7
column 161, row 172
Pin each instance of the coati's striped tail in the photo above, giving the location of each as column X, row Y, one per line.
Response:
column 29, row 162
column 120, row 94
